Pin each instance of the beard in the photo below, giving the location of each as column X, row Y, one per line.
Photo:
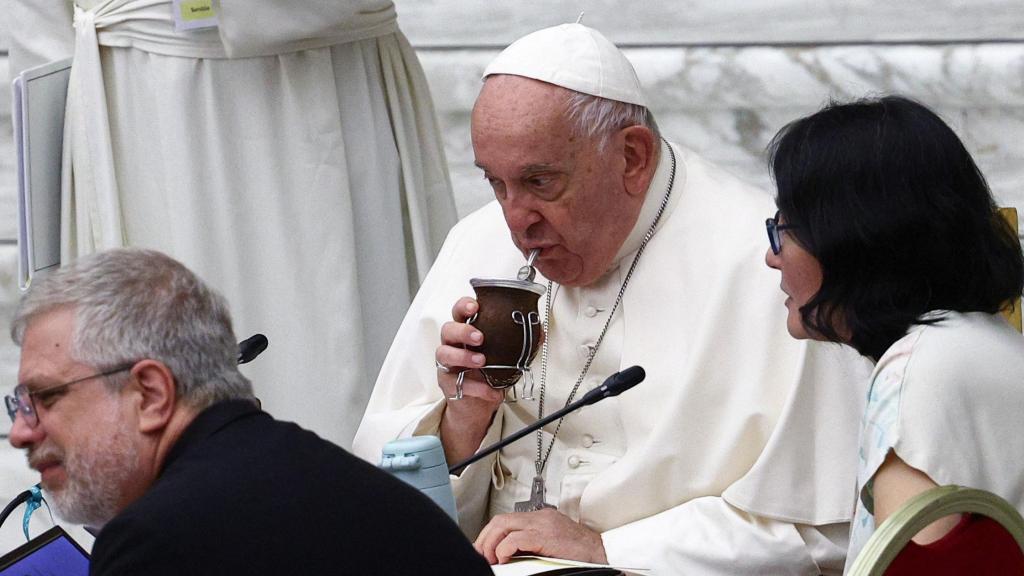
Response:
column 96, row 472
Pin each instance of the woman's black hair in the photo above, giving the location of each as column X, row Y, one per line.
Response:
column 895, row 210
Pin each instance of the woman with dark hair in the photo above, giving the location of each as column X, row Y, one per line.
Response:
column 888, row 241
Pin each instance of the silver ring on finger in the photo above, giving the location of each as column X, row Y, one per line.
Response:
column 441, row 367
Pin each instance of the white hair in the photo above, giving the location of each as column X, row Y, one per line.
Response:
column 596, row 117
column 133, row 304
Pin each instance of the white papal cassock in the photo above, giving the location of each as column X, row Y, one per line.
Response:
column 291, row 157
column 736, row 455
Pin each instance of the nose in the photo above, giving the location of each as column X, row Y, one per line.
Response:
column 519, row 211
column 772, row 260
column 24, row 436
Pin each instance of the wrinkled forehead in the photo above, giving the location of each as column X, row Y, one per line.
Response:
column 511, row 101
column 515, row 115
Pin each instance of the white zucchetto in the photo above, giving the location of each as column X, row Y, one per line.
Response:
column 572, row 56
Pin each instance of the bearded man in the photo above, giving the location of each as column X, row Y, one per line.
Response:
column 131, row 407
column 725, row 460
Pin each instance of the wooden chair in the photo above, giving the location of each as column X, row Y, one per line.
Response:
column 989, row 540
column 1012, row 311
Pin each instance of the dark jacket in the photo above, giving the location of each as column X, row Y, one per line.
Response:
column 242, row 493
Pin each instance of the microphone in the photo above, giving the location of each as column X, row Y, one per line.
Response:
column 251, row 347
column 613, row 386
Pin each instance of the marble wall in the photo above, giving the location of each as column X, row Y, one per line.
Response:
column 723, row 77
column 462, row 23
column 8, row 227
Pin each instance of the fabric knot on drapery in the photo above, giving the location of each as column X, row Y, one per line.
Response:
column 90, row 189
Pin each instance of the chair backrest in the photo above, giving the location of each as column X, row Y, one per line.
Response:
column 988, row 541
column 1012, row 311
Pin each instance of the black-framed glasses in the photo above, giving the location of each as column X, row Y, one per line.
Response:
column 22, row 401
column 773, row 226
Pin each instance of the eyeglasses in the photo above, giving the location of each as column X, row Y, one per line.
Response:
column 22, row 401
column 773, row 226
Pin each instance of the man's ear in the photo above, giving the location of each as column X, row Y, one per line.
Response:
column 639, row 151
column 156, row 394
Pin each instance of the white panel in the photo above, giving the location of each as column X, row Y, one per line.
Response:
column 8, row 201
column 9, row 353
column 5, row 40
column 8, row 230
column 465, row 23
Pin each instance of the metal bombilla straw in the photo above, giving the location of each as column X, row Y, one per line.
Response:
column 527, row 273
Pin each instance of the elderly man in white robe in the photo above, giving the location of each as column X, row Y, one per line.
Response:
column 733, row 456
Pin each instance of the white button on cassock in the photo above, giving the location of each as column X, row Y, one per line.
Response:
column 590, row 311
column 587, row 441
column 574, row 461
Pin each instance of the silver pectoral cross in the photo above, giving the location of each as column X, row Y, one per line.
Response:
column 536, row 501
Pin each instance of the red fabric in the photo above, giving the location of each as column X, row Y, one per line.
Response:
column 977, row 545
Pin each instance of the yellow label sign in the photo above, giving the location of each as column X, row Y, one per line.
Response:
column 196, row 10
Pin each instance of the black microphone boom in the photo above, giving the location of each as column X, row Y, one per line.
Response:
column 251, row 347
column 613, row 386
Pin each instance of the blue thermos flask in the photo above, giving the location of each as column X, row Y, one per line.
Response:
column 419, row 461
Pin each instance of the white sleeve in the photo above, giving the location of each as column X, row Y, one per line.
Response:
column 710, row 537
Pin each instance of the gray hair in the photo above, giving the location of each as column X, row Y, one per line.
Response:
column 133, row 304
column 596, row 117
